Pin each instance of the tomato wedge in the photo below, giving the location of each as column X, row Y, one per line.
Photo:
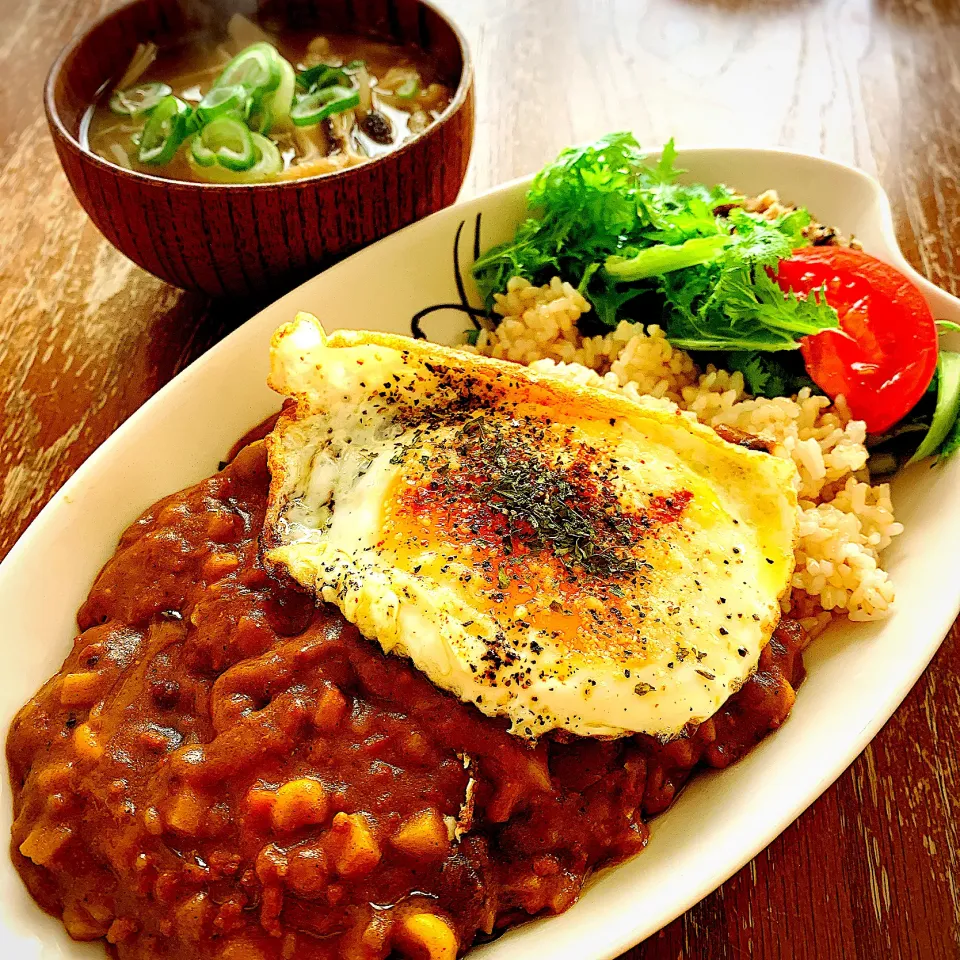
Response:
column 884, row 355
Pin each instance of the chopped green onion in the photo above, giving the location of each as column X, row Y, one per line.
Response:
column 201, row 152
column 947, row 326
column 320, row 76
column 409, row 88
column 138, row 100
column 166, row 128
column 948, row 405
column 311, row 108
column 191, row 123
column 269, row 160
column 664, row 258
column 221, row 100
column 283, row 98
column 257, row 69
column 260, row 119
column 355, row 65
column 230, row 141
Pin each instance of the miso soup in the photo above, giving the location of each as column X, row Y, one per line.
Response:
column 263, row 105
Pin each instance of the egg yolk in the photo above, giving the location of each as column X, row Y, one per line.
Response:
column 538, row 544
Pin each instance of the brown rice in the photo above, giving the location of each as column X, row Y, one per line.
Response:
column 845, row 522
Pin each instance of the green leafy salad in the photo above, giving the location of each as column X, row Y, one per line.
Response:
column 742, row 289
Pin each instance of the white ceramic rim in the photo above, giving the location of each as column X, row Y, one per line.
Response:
column 625, row 928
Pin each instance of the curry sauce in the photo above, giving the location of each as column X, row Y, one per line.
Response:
column 222, row 769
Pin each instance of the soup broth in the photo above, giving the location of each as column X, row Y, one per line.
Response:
column 351, row 100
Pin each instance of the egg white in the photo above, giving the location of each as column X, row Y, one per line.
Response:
column 640, row 650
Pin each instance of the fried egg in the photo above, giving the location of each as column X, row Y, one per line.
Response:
column 557, row 555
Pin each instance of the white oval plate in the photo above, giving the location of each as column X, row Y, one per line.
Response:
column 857, row 674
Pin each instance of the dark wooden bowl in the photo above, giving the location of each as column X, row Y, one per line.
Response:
column 235, row 239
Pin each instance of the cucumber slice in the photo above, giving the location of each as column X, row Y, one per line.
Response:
column 948, row 405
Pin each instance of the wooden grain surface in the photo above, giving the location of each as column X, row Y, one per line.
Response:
column 871, row 870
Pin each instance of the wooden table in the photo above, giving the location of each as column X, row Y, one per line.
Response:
column 871, row 870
